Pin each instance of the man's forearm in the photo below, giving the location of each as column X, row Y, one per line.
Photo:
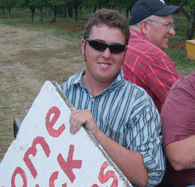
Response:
column 181, row 154
column 129, row 162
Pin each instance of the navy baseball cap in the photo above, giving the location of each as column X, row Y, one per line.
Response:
column 145, row 8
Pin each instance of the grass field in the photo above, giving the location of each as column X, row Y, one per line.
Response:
column 32, row 52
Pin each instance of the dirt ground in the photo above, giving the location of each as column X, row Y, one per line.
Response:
column 27, row 59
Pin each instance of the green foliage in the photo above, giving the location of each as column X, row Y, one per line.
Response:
column 122, row 4
column 183, row 3
column 55, row 2
column 8, row 4
column 188, row 9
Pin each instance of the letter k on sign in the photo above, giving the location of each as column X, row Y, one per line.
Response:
column 68, row 166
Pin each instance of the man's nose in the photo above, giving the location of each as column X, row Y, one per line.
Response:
column 107, row 53
column 172, row 31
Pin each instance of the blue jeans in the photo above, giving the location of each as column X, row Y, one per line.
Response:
column 191, row 185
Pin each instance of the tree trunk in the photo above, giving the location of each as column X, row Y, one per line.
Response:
column 67, row 13
column 54, row 10
column 74, row 14
column 127, row 13
column 9, row 14
column 94, row 10
column 41, row 15
column 32, row 13
column 185, row 14
column 79, row 12
column 3, row 12
column 191, row 27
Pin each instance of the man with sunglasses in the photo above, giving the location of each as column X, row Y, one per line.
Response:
column 146, row 64
column 120, row 115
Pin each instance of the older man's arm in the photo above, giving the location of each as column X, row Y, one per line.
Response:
column 181, row 154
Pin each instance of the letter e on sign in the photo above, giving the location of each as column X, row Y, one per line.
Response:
column 51, row 122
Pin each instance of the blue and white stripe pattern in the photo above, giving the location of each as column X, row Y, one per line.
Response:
column 125, row 113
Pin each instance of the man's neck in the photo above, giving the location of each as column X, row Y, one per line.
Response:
column 94, row 86
column 136, row 28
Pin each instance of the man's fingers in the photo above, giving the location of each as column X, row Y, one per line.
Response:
column 76, row 121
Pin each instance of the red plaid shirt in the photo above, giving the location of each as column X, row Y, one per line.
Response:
column 148, row 66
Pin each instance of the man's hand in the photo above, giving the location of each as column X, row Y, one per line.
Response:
column 82, row 117
column 129, row 162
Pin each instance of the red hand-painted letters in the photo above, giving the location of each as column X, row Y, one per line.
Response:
column 67, row 166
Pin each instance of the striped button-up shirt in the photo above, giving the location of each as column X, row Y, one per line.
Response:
column 126, row 114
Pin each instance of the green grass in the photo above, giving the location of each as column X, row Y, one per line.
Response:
column 19, row 14
column 181, row 26
column 182, row 63
column 177, row 50
column 22, row 18
column 178, row 53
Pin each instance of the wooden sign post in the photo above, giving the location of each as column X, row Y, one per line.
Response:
column 45, row 153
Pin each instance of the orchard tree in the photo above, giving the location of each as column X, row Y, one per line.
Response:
column 188, row 9
column 8, row 4
column 93, row 5
column 74, row 4
column 54, row 5
column 29, row 4
column 122, row 4
column 35, row 4
column 40, row 4
column 190, row 15
column 2, row 7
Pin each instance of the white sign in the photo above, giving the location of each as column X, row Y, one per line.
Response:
column 46, row 154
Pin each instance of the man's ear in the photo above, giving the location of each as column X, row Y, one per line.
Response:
column 144, row 27
column 83, row 45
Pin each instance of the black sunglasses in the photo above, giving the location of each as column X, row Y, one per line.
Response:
column 101, row 46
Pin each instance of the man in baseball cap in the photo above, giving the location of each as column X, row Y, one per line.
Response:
column 145, row 8
column 146, row 64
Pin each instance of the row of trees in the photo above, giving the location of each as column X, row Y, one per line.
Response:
column 67, row 7
column 73, row 8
